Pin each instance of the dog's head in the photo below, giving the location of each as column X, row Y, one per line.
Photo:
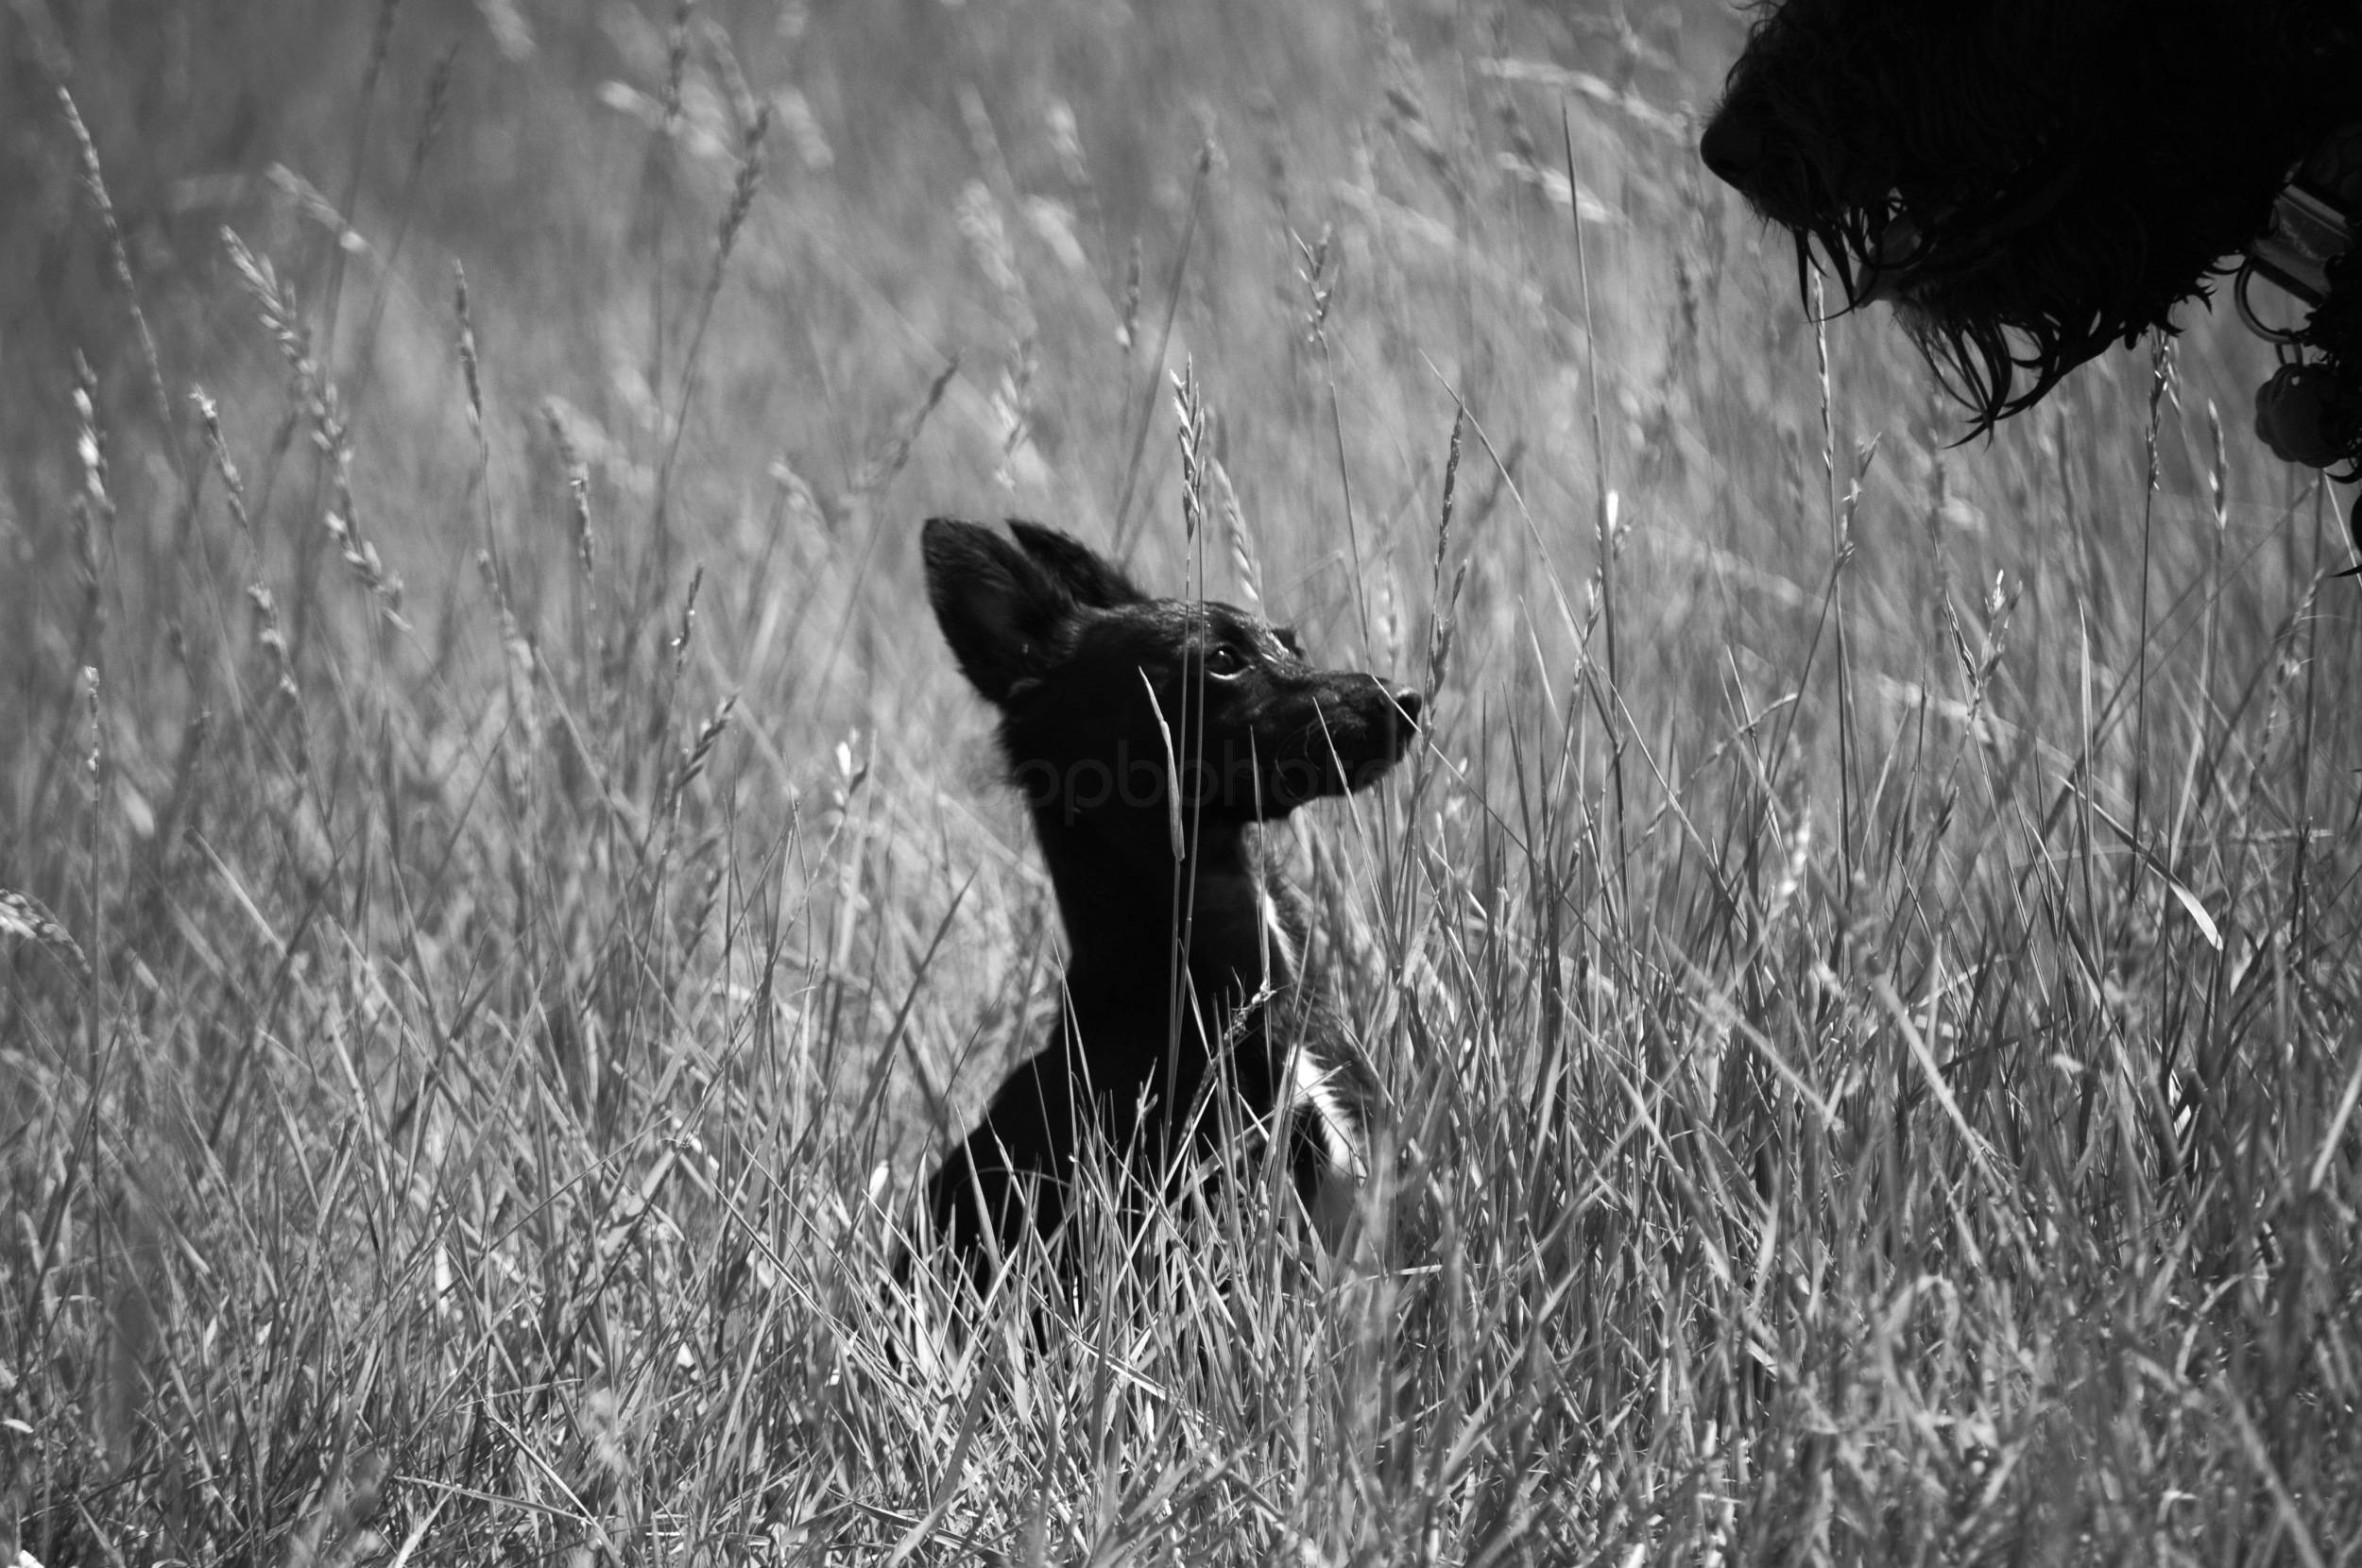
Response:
column 2028, row 180
column 1110, row 699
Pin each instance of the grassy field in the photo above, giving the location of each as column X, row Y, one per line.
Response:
column 506, row 889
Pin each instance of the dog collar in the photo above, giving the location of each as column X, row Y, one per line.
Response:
column 2310, row 411
column 2313, row 223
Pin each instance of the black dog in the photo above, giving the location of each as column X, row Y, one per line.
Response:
column 2033, row 181
column 1150, row 737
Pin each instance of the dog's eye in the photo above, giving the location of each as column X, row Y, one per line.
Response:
column 1222, row 659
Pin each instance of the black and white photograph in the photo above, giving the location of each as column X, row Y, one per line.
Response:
column 1180, row 783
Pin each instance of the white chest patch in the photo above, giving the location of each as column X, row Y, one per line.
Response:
column 1281, row 962
column 1332, row 1201
column 1311, row 1090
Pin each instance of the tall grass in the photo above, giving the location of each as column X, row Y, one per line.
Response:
column 505, row 890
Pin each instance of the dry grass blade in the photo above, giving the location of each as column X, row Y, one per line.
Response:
column 25, row 919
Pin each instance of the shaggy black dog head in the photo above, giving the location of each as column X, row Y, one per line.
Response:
column 1113, row 702
column 2028, row 181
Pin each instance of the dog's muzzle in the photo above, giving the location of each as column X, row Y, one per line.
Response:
column 1732, row 150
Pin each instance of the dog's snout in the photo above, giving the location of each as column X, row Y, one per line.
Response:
column 1409, row 705
column 1731, row 149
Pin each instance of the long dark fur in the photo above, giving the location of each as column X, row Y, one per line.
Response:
column 2028, row 181
column 1107, row 699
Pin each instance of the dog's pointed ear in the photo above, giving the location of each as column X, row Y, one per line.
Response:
column 1094, row 581
column 999, row 610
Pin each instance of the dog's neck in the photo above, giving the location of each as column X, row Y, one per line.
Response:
column 1134, row 911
